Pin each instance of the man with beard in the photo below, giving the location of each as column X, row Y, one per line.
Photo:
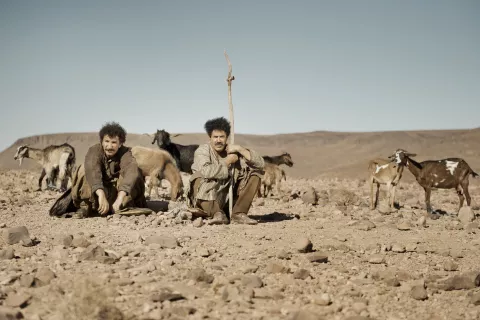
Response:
column 210, row 181
column 108, row 181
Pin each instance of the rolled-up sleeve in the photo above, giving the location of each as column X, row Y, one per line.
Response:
column 204, row 165
column 93, row 168
column 256, row 160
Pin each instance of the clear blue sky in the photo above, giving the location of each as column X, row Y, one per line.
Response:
column 69, row 66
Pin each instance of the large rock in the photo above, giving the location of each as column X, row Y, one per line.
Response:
column 95, row 252
column 16, row 235
column 163, row 241
column 303, row 244
column 466, row 281
column 10, row 314
column 418, row 292
column 7, row 254
column 310, row 196
column 43, row 277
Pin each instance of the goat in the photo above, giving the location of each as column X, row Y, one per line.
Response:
column 284, row 158
column 183, row 155
column 54, row 159
column 446, row 173
column 384, row 172
column 272, row 177
column 158, row 164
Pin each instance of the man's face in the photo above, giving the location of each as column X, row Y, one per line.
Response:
column 218, row 140
column 110, row 145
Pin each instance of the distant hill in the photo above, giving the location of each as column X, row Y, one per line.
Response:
column 316, row 154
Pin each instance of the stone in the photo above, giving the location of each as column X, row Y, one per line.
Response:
column 418, row 292
column 17, row 235
column 303, row 245
column 43, row 277
column 252, row 281
column 318, row 257
column 7, row 254
column 163, row 241
column 301, row 274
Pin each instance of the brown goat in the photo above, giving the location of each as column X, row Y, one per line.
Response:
column 450, row 173
column 158, row 164
column 384, row 172
column 285, row 158
column 272, row 177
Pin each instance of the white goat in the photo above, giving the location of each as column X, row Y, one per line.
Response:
column 55, row 159
column 384, row 172
column 159, row 164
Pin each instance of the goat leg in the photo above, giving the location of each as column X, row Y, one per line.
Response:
column 372, row 202
column 394, row 187
column 42, row 175
column 460, row 197
column 466, row 193
column 428, row 192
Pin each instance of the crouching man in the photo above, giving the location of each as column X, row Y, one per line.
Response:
column 107, row 182
column 210, row 181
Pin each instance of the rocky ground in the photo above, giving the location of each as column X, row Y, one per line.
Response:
column 316, row 254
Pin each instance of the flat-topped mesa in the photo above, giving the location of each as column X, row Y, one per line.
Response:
column 449, row 173
column 182, row 154
column 385, row 172
column 56, row 160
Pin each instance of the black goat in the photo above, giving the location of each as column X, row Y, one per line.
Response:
column 450, row 173
column 183, row 155
column 284, row 158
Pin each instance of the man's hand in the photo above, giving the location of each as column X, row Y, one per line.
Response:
column 103, row 206
column 234, row 148
column 231, row 159
column 118, row 202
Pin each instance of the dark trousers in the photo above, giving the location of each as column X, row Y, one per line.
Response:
column 242, row 198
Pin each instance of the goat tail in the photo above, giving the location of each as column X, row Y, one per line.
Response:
column 474, row 174
column 172, row 174
column 63, row 205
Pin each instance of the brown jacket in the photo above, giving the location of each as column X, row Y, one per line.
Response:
column 99, row 170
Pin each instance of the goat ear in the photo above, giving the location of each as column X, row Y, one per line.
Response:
column 176, row 135
column 411, row 154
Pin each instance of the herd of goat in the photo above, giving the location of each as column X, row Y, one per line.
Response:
column 166, row 162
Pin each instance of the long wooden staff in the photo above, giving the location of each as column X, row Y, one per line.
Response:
column 229, row 79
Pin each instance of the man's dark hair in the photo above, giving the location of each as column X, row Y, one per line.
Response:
column 217, row 124
column 113, row 129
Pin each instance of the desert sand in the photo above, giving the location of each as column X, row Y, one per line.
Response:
column 318, row 251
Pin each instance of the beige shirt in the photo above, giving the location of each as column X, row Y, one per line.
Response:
column 209, row 166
